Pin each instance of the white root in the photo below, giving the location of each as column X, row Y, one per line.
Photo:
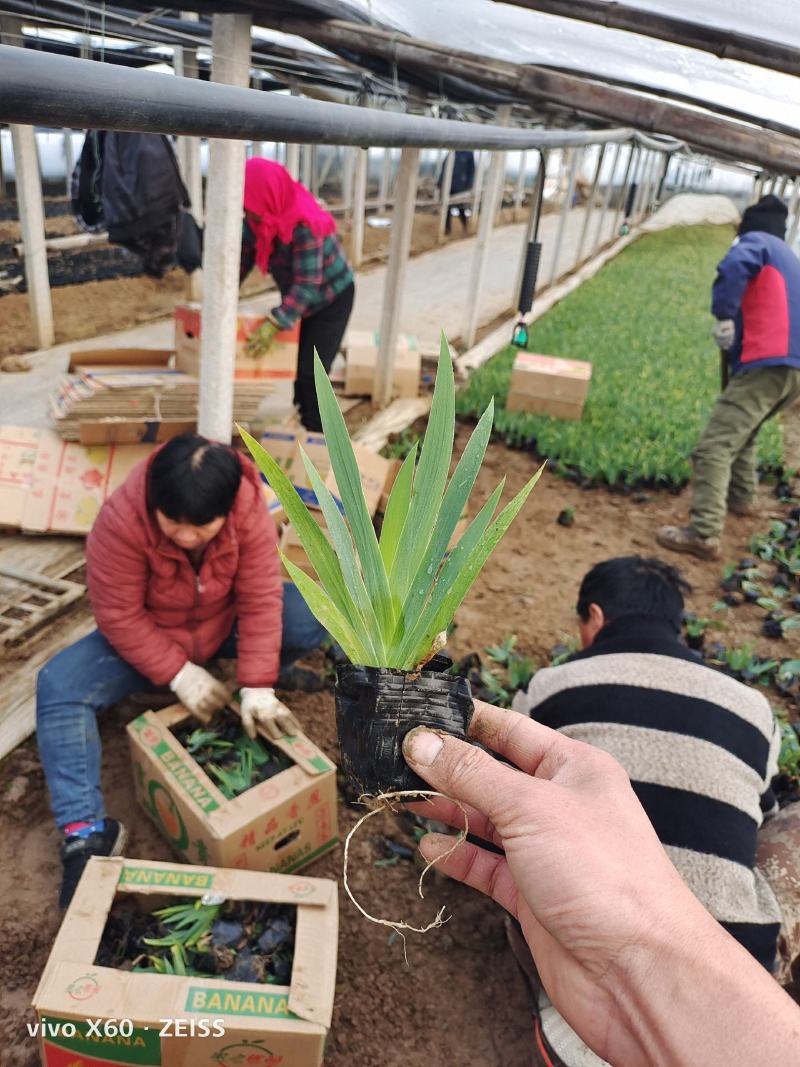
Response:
column 383, row 800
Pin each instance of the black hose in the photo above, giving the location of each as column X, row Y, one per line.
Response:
column 529, row 275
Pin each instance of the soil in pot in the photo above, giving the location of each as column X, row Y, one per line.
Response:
column 376, row 707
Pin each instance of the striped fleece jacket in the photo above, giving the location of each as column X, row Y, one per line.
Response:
column 700, row 749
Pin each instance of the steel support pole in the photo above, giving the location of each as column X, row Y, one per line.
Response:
column 612, row 174
column 386, row 179
column 348, row 180
column 188, row 151
column 794, row 212
column 629, row 165
column 532, row 227
column 590, row 202
column 519, row 188
column 399, row 248
column 359, row 207
column 477, row 193
column 28, row 185
column 494, row 184
column 444, row 205
column 69, row 160
column 223, row 240
column 577, row 155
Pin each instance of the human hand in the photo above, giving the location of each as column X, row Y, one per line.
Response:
column 261, row 340
column 199, row 691
column 261, row 707
column 724, row 333
column 600, row 904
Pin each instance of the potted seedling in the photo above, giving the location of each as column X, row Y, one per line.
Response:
column 388, row 600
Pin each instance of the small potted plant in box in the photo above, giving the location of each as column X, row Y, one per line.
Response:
column 388, row 600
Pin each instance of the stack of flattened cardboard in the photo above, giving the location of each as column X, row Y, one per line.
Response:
column 127, row 396
column 48, row 485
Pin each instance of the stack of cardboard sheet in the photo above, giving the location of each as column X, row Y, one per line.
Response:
column 129, row 396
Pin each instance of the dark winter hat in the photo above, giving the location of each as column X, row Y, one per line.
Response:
column 768, row 215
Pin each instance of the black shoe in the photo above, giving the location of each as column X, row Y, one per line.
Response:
column 300, row 679
column 77, row 851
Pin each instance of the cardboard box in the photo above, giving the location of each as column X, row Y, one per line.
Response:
column 182, row 1021
column 119, row 357
column 279, row 362
column 281, row 824
column 18, row 448
column 284, row 447
column 291, row 546
column 548, row 385
column 133, row 431
column 361, row 352
column 70, row 482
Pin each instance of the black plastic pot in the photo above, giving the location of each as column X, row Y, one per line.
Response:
column 376, row 707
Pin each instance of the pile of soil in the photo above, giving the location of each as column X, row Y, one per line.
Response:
column 461, row 1000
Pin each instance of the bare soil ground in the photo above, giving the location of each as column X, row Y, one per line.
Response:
column 106, row 301
column 461, row 1000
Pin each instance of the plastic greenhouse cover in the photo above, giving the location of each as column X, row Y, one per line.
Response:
column 523, row 36
column 771, row 20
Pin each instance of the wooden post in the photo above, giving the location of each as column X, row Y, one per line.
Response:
column 223, row 239
column 491, row 197
column 577, row 154
column 444, row 205
column 590, row 202
column 28, row 184
column 359, row 207
column 69, row 160
column 399, row 247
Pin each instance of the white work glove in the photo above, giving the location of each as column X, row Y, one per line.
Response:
column 200, row 692
column 261, row 707
column 724, row 333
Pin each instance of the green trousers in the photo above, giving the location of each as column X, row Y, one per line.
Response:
column 724, row 458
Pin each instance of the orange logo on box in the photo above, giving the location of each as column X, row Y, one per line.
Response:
column 83, row 988
column 301, row 889
column 247, row 1054
column 150, row 735
column 269, row 791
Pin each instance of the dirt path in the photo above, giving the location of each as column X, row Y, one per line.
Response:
column 461, row 1003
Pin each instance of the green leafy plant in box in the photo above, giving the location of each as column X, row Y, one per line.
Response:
column 387, row 600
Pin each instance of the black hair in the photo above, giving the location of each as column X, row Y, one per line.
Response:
column 194, row 480
column 768, row 215
column 634, row 585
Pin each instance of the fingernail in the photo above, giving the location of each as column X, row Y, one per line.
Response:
column 422, row 746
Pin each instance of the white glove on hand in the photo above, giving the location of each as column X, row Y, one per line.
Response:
column 261, row 707
column 200, row 692
column 724, row 333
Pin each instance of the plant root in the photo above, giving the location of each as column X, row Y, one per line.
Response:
column 383, row 801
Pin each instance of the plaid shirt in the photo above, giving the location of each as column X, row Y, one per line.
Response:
column 310, row 272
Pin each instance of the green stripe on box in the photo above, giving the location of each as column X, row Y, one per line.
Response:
column 182, row 879
column 139, row 723
column 312, row 856
column 143, row 1047
column 256, row 1004
column 185, row 777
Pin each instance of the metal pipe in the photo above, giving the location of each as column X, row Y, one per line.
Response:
column 444, row 203
column 607, row 198
column 577, row 155
column 590, row 202
column 52, row 90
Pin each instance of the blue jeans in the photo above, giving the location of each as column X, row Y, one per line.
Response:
column 90, row 676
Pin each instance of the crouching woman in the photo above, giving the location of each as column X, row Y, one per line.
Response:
column 182, row 567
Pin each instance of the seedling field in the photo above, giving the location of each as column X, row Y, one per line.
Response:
column 644, row 323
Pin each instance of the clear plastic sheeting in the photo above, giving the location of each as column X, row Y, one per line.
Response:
column 522, row 36
column 769, row 20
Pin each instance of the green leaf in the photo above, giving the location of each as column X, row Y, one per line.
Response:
column 436, row 616
column 351, row 492
column 469, row 539
column 343, row 544
column 324, row 609
column 318, row 549
column 450, row 511
column 430, row 479
column 397, row 509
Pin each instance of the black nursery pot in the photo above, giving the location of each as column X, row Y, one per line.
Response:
column 376, row 707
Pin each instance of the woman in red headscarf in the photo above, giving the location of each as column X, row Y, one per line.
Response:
column 288, row 234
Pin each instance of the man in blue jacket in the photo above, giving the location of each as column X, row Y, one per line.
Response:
column 756, row 301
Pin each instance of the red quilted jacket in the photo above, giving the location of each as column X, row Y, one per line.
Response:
column 158, row 612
